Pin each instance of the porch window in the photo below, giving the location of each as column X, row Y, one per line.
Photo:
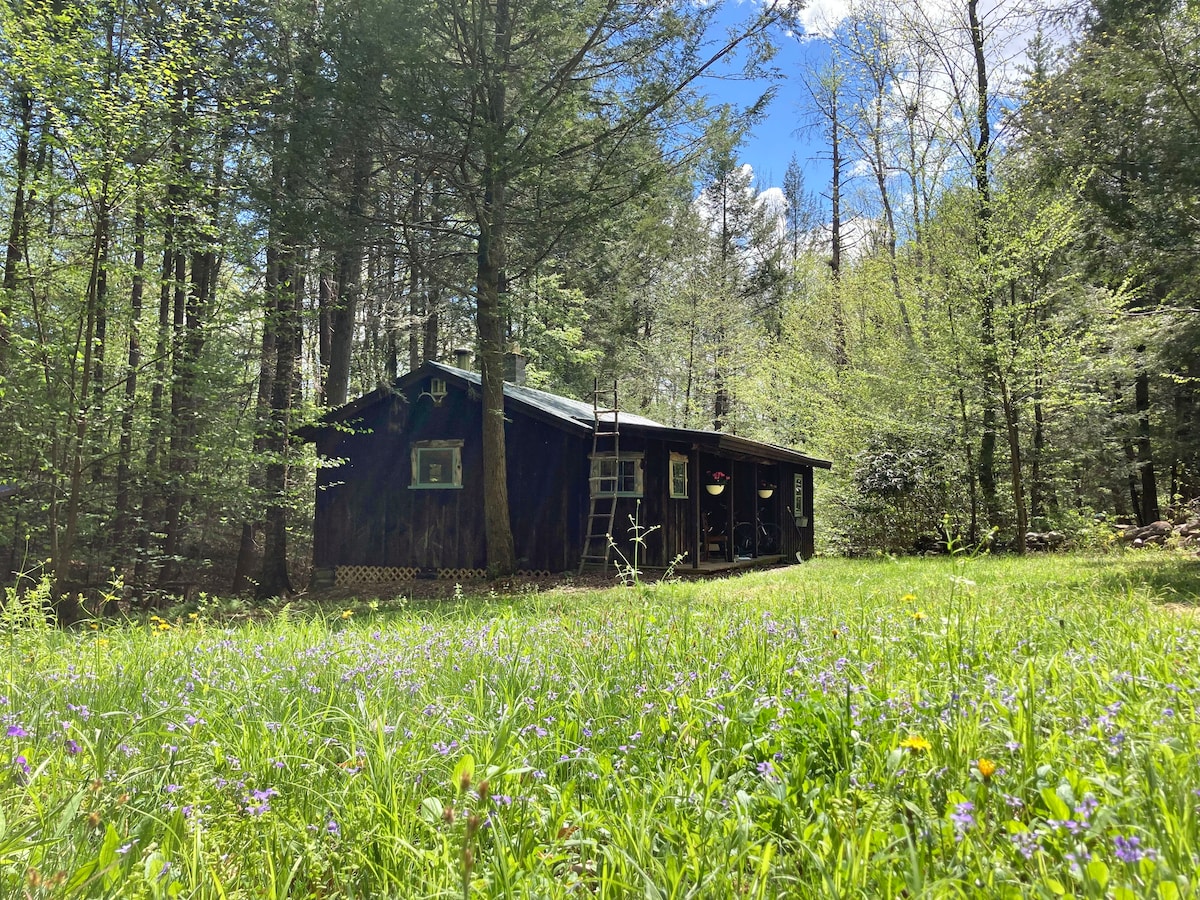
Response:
column 617, row 476
column 436, row 465
column 679, row 476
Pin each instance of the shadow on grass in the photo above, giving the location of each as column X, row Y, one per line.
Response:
column 1170, row 577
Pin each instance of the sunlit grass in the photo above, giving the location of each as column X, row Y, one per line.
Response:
column 989, row 727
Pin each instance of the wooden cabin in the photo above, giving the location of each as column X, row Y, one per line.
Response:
column 399, row 492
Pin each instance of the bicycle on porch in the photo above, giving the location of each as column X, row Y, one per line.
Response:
column 757, row 538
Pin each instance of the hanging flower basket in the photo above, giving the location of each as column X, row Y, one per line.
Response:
column 716, row 482
column 766, row 492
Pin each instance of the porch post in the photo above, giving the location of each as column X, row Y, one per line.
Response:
column 730, row 550
column 697, row 524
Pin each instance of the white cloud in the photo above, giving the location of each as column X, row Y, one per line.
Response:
column 821, row 17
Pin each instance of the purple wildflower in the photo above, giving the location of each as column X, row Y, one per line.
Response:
column 1130, row 849
column 963, row 817
column 1079, row 859
column 72, row 747
column 1026, row 843
column 16, row 731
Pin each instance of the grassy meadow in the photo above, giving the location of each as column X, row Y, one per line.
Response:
column 920, row 728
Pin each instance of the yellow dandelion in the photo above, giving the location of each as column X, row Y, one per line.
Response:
column 918, row 616
column 347, row 613
column 908, row 598
column 987, row 768
column 916, row 744
column 94, row 626
column 164, row 626
column 193, row 616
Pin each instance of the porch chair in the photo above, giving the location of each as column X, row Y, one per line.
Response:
column 711, row 538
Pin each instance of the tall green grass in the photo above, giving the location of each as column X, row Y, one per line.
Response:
column 983, row 728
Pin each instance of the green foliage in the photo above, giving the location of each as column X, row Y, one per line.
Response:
column 901, row 495
column 980, row 728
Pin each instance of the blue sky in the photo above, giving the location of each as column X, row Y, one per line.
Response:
column 790, row 125
column 787, row 127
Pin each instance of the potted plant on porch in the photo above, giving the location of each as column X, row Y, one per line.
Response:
column 716, row 482
column 765, row 490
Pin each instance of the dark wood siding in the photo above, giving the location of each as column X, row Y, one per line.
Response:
column 368, row 514
column 677, row 540
column 367, row 511
column 547, row 490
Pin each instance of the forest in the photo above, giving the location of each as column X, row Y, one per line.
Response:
column 222, row 218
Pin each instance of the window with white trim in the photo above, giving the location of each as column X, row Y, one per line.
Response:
column 679, row 476
column 436, row 465
column 620, row 476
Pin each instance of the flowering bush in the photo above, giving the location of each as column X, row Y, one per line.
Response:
column 718, row 478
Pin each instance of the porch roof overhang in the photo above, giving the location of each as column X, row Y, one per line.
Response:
column 732, row 446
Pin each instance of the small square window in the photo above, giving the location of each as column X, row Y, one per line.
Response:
column 621, row 476
column 679, row 476
column 436, row 464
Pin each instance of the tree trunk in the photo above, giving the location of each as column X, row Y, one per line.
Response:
column 1185, row 458
column 133, row 363
column 66, row 604
column 841, row 357
column 349, row 280
column 1037, row 486
column 273, row 580
column 155, row 446
column 983, row 192
column 247, row 562
column 501, row 553
column 972, row 472
column 490, row 286
column 1150, row 511
column 101, row 336
column 176, row 462
column 432, row 283
column 1014, row 454
column 15, row 245
column 326, row 298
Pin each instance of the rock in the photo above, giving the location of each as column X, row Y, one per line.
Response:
column 1044, row 540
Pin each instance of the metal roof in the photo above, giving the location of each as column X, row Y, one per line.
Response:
column 577, row 413
column 570, row 411
column 578, row 416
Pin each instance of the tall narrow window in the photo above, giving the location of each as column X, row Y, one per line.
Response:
column 798, row 500
column 436, row 464
column 679, row 473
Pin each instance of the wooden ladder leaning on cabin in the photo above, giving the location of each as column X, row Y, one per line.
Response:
column 602, row 506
